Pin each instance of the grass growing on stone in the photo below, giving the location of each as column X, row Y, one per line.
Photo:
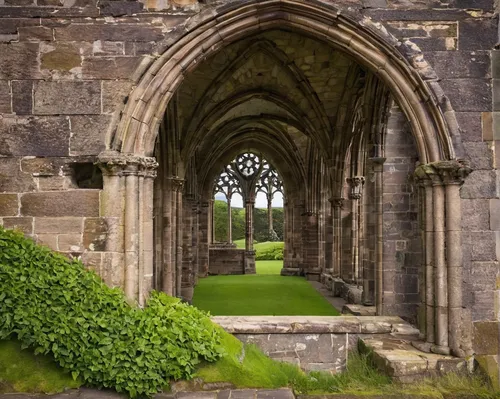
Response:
column 23, row 371
column 245, row 366
column 260, row 295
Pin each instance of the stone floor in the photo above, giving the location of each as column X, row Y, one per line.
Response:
column 337, row 302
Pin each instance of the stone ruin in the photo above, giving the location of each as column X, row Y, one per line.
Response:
column 381, row 116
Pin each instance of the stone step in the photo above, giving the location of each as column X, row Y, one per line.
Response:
column 359, row 310
column 396, row 357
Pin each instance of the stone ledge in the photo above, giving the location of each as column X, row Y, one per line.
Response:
column 314, row 324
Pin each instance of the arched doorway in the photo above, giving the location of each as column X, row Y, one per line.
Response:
column 316, row 90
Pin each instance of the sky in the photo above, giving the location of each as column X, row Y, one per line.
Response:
column 260, row 201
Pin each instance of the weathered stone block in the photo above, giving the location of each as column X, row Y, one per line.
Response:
column 9, row 205
column 19, row 223
column 480, row 155
column 45, row 166
column 470, row 125
column 67, row 98
column 19, row 61
column 49, row 240
column 46, row 136
column 494, row 212
column 95, row 234
column 35, row 33
column 58, row 225
column 468, row 94
column 477, row 34
column 114, row 94
column 12, row 179
column 65, row 203
column 88, row 134
column 459, row 64
column 5, row 97
column 113, row 33
column 22, row 97
column 475, row 214
column 480, row 184
column 490, row 366
column 483, row 245
column 69, row 243
column 10, row 25
column 61, row 58
column 486, row 337
column 109, row 67
column 117, row 8
column 55, row 183
column 92, row 261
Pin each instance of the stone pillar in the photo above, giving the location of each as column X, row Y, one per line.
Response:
column 453, row 175
column 178, row 185
column 130, row 178
column 270, row 215
column 229, row 221
column 356, row 184
column 249, row 252
column 337, row 204
column 249, row 205
column 378, row 170
column 187, row 283
column 211, row 221
column 443, row 198
column 148, row 174
column 204, row 237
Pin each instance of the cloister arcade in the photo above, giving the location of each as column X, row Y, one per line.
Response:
column 365, row 152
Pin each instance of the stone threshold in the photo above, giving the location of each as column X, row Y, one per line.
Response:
column 315, row 325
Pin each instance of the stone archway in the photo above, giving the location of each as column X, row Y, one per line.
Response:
column 402, row 71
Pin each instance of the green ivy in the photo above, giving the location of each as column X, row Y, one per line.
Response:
column 55, row 305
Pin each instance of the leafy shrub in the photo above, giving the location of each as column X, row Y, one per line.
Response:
column 54, row 305
column 269, row 251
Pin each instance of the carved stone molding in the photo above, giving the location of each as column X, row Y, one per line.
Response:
column 442, row 172
column 113, row 163
column 337, row 202
column 356, row 183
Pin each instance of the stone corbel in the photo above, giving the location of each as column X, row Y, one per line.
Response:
column 356, row 183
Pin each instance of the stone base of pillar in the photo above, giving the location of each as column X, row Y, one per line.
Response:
column 313, row 274
column 291, row 271
column 187, row 293
column 250, row 262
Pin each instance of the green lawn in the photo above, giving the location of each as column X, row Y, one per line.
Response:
column 266, row 293
column 269, row 266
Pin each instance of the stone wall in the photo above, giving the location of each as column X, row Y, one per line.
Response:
column 226, row 261
column 312, row 342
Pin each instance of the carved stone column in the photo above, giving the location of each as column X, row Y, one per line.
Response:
column 229, row 221
column 453, row 174
column 249, row 252
column 127, row 200
column 337, row 204
column 177, row 187
column 446, row 178
column 378, row 169
column 356, row 191
column 204, row 236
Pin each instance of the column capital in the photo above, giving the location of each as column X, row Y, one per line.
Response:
column 114, row 163
column 356, row 183
column 176, row 182
column 337, row 202
column 451, row 172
